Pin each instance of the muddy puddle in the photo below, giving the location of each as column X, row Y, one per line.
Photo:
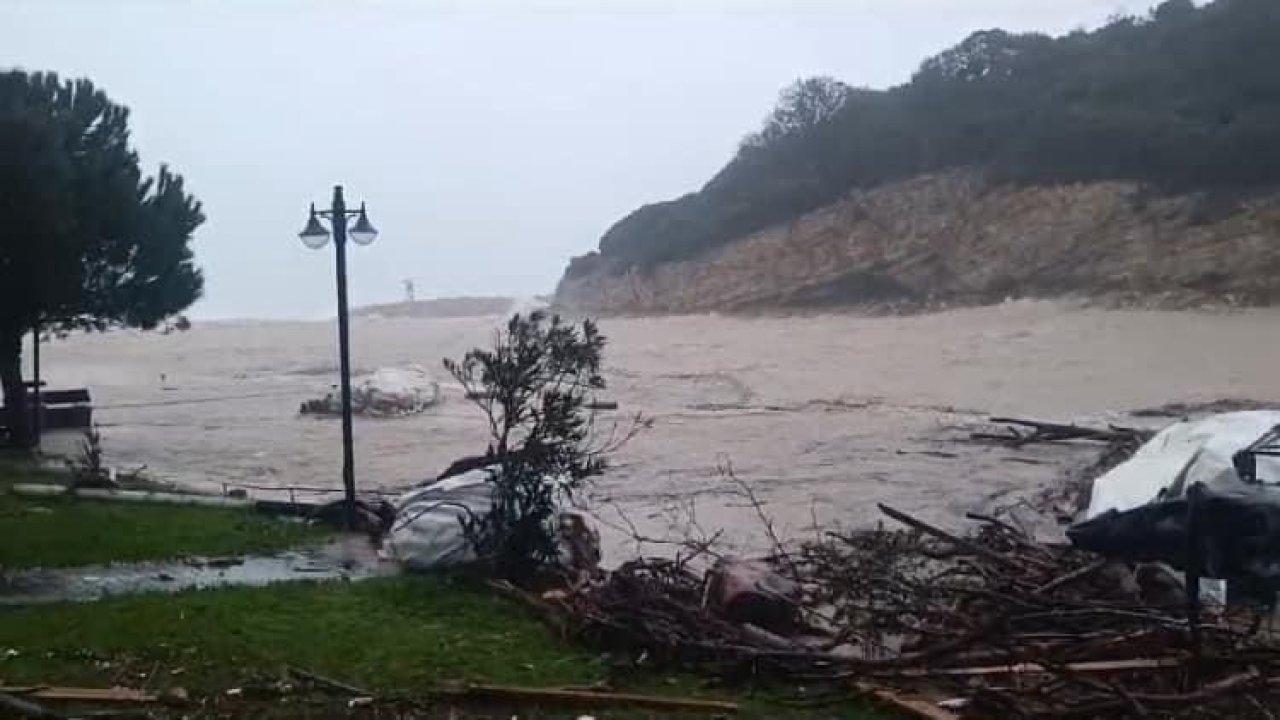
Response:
column 346, row 559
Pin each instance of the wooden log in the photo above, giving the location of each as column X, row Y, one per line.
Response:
column 78, row 694
column 1057, row 431
column 1096, row 667
column 1054, row 432
column 27, row 709
column 579, row 698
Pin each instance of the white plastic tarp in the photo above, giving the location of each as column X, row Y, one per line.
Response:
column 1183, row 454
column 427, row 532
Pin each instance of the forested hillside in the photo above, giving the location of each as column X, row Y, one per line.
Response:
column 1187, row 98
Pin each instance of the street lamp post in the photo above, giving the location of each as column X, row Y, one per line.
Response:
column 315, row 236
column 37, row 413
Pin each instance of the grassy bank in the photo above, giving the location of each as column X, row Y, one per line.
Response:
column 64, row 531
column 392, row 635
column 405, row 632
column 403, row 635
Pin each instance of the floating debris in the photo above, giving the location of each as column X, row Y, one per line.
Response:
column 387, row 392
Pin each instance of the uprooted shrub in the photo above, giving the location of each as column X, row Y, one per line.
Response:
column 535, row 387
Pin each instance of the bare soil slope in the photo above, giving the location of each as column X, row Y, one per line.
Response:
column 956, row 239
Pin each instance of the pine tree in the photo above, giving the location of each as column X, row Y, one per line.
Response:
column 86, row 241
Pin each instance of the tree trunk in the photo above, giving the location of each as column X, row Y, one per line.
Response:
column 15, row 395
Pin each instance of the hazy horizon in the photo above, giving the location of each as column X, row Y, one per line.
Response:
column 492, row 141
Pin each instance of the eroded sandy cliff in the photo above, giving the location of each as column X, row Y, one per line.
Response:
column 954, row 238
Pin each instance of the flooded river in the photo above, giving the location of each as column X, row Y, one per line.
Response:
column 822, row 416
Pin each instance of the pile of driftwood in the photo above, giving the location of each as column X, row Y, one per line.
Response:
column 1004, row 626
column 989, row 624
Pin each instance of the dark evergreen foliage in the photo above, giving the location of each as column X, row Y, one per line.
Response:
column 1183, row 98
column 534, row 387
column 86, row 241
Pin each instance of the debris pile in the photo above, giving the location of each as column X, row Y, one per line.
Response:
column 988, row 624
column 657, row 610
column 1002, row 625
column 388, row 392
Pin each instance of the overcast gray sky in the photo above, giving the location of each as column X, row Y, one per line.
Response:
column 492, row 141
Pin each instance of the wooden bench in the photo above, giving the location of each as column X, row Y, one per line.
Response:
column 60, row 409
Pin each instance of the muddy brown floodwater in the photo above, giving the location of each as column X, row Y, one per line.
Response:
column 823, row 416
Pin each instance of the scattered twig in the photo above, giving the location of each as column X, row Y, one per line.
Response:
column 329, row 683
column 962, row 544
column 998, row 623
column 725, row 469
column 1070, row 577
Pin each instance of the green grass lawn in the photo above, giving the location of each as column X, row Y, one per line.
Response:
column 16, row 467
column 63, row 531
column 405, row 634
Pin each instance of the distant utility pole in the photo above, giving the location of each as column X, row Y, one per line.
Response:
column 408, row 289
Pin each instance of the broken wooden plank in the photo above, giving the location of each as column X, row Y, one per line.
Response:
column 109, row 695
column 544, row 696
column 1095, row 666
column 916, row 706
column 27, row 709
